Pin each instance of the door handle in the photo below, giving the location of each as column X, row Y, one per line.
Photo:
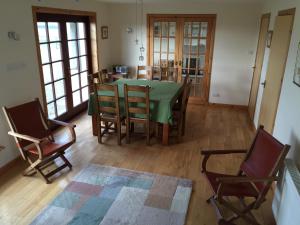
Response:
column 264, row 83
column 180, row 63
column 176, row 63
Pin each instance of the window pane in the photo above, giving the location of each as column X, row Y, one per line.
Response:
column 61, row 106
column 51, row 110
column 202, row 46
column 195, row 29
column 71, row 31
column 201, row 61
column 72, row 49
column 156, row 59
column 172, row 45
column 85, row 94
column 57, row 70
column 82, row 47
column 157, row 29
column 185, row 61
column 84, row 79
column 76, row 98
column 164, row 44
column 75, row 82
column 44, row 53
column 53, row 29
column 42, row 32
column 81, row 30
column 165, row 28
column 47, row 74
column 187, row 29
column 49, row 93
column 83, row 65
column 186, row 46
column 194, row 47
column 193, row 62
column 172, row 29
column 74, row 66
column 55, row 51
column 59, row 88
column 203, row 29
column 157, row 44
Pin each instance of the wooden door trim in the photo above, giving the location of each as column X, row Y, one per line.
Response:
column 264, row 16
column 210, row 18
column 288, row 12
column 93, row 63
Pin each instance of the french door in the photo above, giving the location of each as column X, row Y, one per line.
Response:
column 64, row 50
column 185, row 42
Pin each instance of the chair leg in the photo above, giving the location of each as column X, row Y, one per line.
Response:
column 118, row 130
column 128, row 127
column 148, row 132
column 99, row 132
column 66, row 161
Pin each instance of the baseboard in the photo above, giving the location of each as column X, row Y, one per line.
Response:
column 10, row 164
column 244, row 107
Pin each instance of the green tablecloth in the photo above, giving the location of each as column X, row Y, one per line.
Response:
column 163, row 96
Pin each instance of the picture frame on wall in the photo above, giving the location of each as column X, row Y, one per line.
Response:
column 269, row 38
column 104, row 32
column 296, row 79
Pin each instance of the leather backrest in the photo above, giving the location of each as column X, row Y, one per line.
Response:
column 265, row 154
column 27, row 119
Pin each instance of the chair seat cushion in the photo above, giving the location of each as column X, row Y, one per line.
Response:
column 233, row 189
column 48, row 148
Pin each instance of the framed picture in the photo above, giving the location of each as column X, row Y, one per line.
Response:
column 104, row 32
column 297, row 68
column 269, row 38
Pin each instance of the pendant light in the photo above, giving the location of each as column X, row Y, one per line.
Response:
column 142, row 49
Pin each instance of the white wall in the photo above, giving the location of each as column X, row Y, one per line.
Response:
column 287, row 123
column 235, row 43
column 19, row 73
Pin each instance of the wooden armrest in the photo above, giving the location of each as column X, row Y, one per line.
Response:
column 208, row 153
column 222, row 152
column 70, row 125
column 243, row 179
column 25, row 137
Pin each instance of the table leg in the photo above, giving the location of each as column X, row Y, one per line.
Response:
column 94, row 125
column 165, row 139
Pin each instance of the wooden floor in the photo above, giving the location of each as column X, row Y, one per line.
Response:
column 208, row 127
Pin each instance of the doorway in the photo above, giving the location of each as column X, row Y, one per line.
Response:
column 185, row 42
column 276, row 68
column 261, row 46
column 64, row 50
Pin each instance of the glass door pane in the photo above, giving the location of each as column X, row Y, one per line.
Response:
column 164, row 46
column 78, row 60
column 54, row 81
column 194, row 53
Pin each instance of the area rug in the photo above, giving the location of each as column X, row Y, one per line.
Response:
column 101, row 195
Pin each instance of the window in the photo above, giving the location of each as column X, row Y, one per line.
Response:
column 64, row 50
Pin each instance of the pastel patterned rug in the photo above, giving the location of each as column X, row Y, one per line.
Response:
column 101, row 195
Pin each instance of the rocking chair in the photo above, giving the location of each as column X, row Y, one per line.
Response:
column 34, row 139
column 254, row 179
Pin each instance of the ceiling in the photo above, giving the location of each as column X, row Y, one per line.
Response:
column 183, row 1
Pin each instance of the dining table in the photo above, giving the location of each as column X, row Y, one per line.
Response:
column 163, row 95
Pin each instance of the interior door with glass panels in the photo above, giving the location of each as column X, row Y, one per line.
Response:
column 64, row 56
column 195, row 54
column 163, row 44
column 185, row 42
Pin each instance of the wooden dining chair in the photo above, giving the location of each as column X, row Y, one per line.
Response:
column 108, row 110
column 156, row 73
column 179, row 112
column 137, row 105
column 144, row 73
column 172, row 74
column 34, row 139
column 256, row 174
